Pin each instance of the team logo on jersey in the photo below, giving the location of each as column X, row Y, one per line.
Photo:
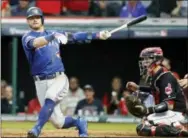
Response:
column 168, row 89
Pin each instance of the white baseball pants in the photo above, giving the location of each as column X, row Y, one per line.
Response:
column 166, row 118
column 55, row 89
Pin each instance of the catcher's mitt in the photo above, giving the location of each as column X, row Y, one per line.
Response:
column 135, row 106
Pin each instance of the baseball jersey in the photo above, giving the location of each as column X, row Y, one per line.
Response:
column 167, row 88
column 46, row 60
column 128, row 11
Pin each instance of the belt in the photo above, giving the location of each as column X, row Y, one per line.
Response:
column 46, row 77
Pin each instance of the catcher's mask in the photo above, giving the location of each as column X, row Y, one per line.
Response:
column 149, row 57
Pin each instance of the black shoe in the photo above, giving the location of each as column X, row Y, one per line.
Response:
column 30, row 134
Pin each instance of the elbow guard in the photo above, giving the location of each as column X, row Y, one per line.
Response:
column 80, row 37
column 162, row 107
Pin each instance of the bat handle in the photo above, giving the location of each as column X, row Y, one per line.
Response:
column 113, row 31
column 119, row 28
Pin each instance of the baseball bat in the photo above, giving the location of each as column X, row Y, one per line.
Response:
column 130, row 23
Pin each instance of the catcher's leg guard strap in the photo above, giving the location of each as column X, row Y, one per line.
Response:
column 145, row 130
column 167, row 131
column 159, row 131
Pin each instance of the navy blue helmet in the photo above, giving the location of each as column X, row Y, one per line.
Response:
column 34, row 11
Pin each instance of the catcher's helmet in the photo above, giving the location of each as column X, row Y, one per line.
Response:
column 33, row 11
column 148, row 57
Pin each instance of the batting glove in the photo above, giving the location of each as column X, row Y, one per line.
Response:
column 103, row 35
column 61, row 38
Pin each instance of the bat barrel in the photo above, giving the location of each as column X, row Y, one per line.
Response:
column 137, row 20
column 131, row 23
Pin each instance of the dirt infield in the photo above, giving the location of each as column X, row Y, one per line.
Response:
column 19, row 129
column 67, row 133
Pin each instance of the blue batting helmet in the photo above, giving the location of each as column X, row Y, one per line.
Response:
column 34, row 11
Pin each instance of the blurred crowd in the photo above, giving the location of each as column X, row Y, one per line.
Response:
column 98, row 8
column 81, row 100
column 7, row 99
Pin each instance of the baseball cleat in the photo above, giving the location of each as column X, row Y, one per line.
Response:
column 33, row 133
column 82, row 127
column 83, row 135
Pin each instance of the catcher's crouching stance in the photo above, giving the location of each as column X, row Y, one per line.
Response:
column 163, row 119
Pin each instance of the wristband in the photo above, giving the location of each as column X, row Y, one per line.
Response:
column 162, row 107
column 151, row 110
column 49, row 37
column 89, row 36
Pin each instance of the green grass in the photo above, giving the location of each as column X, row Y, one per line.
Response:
column 91, row 126
column 111, row 126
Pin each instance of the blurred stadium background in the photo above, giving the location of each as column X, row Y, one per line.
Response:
column 106, row 65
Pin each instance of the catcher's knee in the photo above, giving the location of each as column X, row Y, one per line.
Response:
column 144, row 130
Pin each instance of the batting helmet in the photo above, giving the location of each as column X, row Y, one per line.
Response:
column 34, row 11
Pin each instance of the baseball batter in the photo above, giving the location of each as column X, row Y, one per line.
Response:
column 41, row 47
column 166, row 116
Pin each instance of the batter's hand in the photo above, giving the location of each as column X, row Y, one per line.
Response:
column 61, row 38
column 132, row 86
column 103, row 35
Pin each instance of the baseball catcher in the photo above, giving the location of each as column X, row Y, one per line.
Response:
column 164, row 118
